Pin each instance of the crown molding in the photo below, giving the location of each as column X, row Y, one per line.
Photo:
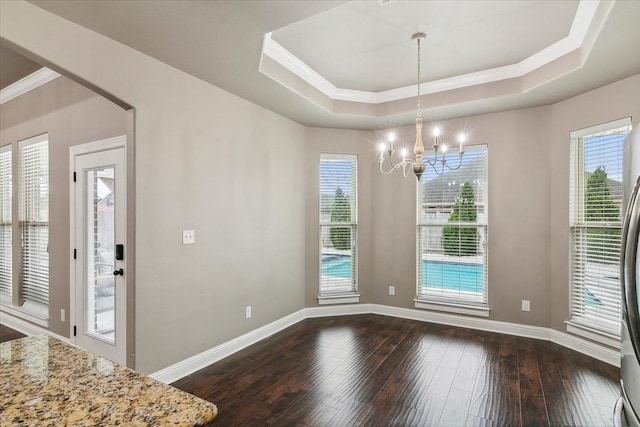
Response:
column 582, row 33
column 26, row 84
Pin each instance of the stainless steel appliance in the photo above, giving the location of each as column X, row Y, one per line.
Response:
column 628, row 407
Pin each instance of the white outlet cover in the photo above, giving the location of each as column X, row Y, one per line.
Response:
column 526, row 305
column 247, row 312
column 392, row 290
column 188, row 237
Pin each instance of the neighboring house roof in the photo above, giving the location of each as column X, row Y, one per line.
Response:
column 444, row 188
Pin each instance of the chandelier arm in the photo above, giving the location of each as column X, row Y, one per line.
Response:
column 393, row 165
column 382, row 169
column 430, row 163
column 453, row 169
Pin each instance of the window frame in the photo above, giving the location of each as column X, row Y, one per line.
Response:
column 580, row 323
column 451, row 304
column 352, row 295
column 6, row 297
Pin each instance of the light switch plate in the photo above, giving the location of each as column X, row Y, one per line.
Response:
column 188, row 237
column 392, row 290
column 526, row 305
column 247, row 312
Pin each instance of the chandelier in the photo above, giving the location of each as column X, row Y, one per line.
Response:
column 440, row 165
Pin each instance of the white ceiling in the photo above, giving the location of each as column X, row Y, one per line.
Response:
column 347, row 43
column 364, row 46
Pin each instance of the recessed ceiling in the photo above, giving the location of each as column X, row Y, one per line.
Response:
column 365, row 47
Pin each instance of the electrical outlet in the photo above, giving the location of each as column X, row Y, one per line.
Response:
column 392, row 290
column 63, row 315
column 188, row 237
column 526, row 305
column 247, row 312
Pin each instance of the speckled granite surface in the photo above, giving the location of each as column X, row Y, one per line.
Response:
column 46, row 382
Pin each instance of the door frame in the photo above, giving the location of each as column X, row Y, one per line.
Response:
column 78, row 150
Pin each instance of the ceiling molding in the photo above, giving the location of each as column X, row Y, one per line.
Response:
column 26, row 84
column 585, row 28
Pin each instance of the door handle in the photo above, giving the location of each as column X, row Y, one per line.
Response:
column 118, row 272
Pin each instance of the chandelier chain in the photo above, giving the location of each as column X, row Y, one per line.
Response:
column 419, row 114
column 438, row 160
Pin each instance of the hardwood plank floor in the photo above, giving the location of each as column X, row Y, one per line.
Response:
column 8, row 334
column 382, row 371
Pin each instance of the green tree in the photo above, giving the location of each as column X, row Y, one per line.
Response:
column 340, row 212
column 600, row 207
column 457, row 240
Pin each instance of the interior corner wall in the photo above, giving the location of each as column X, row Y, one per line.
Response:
column 518, row 209
column 528, row 243
column 611, row 102
column 205, row 160
column 337, row 141
column 71, row 115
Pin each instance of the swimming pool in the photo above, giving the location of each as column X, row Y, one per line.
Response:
column 435, row 274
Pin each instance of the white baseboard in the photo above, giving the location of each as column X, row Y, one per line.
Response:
column 337, row 310
column 25, row 327
column 464, row 321
column 201, row 360
column 610, row 356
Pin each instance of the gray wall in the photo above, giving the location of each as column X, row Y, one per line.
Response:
column 528, row 204
column 246, row 180
column 518, row 216
column 205, row 160
column 72, row 115
column 611, row 102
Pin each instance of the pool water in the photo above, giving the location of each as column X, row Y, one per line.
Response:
column 437, row 274
column 450, row 275
column 336, row 265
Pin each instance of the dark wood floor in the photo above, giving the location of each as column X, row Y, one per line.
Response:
column 8, row 334
column 380, row 371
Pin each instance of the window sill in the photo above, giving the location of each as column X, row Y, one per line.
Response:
column 470, row 310
column 338, row 299
column 23, row 314
column 593, row 334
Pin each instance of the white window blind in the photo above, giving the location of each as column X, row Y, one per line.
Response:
column 596, row 224
column 5, row 222
column 338, row 224
column 33, row 175
column 452, row 231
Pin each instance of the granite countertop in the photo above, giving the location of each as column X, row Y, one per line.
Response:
column 46, row 382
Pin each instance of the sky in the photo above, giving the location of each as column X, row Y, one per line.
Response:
column 605, row 150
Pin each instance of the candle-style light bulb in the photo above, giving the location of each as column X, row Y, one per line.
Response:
column 391, row 137
column 382, row 147
column 461, row 139
column 404, row 154
column 436, row 131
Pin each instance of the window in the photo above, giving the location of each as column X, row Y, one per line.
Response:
column 33, row 184
column 452, row 235
column 338, row 227
column 5, row 224
column 595, row 225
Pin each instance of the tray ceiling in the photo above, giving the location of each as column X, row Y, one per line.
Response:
column 479, row 56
